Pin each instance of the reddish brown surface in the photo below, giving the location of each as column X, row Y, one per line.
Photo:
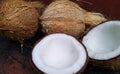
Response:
column 13, row 62
column 110, row 8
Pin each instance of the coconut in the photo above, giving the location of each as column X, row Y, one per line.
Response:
column 59, row 54
column 19, row 19
column 103, row 45
column 65, row 16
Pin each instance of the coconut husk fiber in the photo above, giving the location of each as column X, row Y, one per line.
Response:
column 65, row 16
column 19, row 19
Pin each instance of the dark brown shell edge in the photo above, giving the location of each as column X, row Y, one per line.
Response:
column 113, row 64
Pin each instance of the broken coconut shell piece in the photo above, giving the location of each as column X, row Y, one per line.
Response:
column 19, row 19
column 103, row 45
column 64, row 16
column 59, row 54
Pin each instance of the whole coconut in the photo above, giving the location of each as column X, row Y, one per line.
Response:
column 19, row 19
column 65, row 16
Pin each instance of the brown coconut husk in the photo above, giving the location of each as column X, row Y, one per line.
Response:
column 94, row 19
column 19, row 19
column 113, row 64
column 65, row 16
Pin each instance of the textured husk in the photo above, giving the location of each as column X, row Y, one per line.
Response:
column 94, row 19
column 113, row 64
column 19, row 19
column 63, row 16
column 69, row 27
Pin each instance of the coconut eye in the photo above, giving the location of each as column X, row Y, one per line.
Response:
column 59, row 54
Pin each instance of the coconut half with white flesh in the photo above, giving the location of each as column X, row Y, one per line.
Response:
column 59, row 54
column 103, row 43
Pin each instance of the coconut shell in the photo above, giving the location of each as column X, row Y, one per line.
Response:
column 113, row 64
column 19, row 19
column 63, row 16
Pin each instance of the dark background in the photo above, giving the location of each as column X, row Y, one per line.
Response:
column 13, row 61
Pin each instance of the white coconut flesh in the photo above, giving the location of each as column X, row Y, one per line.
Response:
column 103, row 41
column 59, row 54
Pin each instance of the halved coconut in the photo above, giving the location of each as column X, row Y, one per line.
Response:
column 59, row 54
column 103, row 43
